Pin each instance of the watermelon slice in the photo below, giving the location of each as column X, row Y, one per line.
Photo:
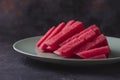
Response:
column 54, row 42
column 68, row 49
column 43, row 46
column 68, row 25
column 97, row 42
column 93, row 27
column 45, row 36
column 94, row 52
column 98, row 57
column 57, row 30
column 61, row 26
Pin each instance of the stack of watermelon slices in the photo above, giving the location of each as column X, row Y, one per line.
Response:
column 73, row 40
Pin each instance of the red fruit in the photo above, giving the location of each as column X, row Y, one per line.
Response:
column 94, row 52
column 93, row 27
column 45, row 36
column 57, row 30
column 68, row 25
column 98, row 57
column 68, row 49
column 97, row 42
column 54, row 42
column 71, row 40
column 43, row 46
column 89, row 35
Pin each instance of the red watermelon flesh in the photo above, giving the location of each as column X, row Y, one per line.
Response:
column 66, row 50
column 69, row 47
column 93, row 27
column 45, row 36
column 88, row 36
column 43, row 46
column 97, row 42
column 68, row 25
column 94, row 52
column 98, row 57
column 54, row 42
column 57, row 30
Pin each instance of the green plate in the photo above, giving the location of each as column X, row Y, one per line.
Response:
column 27, row 47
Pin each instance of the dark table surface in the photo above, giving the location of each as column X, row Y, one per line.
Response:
column 27, row 18
column 14, row 66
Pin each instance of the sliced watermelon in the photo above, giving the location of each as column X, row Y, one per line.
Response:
column 54, row 42
column 102, row 56
column 68, row 25
column 57, row 30
column 45, row 36
column 97, row 42
column 69, row 47
column 66, row 50
column 43, row 46
column 89, row 35
column 94, row 52
column 93, row 27
column 72, row 39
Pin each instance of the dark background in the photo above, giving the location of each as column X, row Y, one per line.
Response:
column 22, row 18
column 26, row 18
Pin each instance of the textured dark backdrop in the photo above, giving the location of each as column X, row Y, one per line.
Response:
column 26, row 18
column 23, row 18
